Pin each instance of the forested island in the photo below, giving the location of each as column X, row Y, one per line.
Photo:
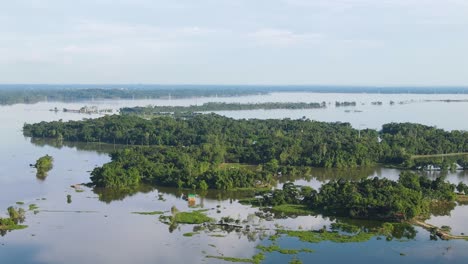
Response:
column 213, row 106
column 212, row 151
column 377, row 198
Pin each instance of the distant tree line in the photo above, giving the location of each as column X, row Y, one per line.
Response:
column 213, row 106
column 27, row 94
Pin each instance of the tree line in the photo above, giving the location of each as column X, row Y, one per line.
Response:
column 216, row 106
column 284, row 142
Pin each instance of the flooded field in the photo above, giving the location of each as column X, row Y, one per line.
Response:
column 98, row 226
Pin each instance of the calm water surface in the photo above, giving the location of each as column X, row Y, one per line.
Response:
column 98, row 227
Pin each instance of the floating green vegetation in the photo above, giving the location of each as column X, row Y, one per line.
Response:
column 298, row 209
column 348, row 233
column 274, row 237
column 7, row 224
column 190, row 234
column 256, row 259
column 79, row 190
column 149, row 213
column 195, row 217
column 33, row 207
column 324, row 235
column 217, row 235
column 295, row 261
column 19, row 203
column 276, row 248
column 231, row 259
column 251, row 201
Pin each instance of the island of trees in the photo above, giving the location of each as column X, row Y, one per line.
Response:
column 283, row 142
column 43, row 165
column 377, row 198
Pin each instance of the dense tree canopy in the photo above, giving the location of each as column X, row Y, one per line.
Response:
column 376, row 198
column 287, row 142
column 169, row 166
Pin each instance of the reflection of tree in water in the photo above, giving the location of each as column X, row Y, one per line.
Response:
column 441, row 208
column 109, row 195
column 41, row 175
column 324, row 174
column 59, row 144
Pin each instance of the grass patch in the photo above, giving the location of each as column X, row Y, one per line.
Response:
column 190, row 234
column 12, row 227
column 231, row 259
column 19, row 203
column 149, row 213
column 276, row 248
column 195, row 217
column 256, row 259
column 217, row 235
column 298, row 209
column 319, row 236
column 33, row 207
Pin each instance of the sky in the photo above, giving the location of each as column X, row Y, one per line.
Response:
column 272, row 42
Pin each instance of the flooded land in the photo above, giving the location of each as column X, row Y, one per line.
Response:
column 60, row 218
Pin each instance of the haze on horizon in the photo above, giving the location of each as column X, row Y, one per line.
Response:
column 321, row 42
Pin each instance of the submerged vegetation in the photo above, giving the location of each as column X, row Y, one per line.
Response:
column 149, row 213
column 12, row 222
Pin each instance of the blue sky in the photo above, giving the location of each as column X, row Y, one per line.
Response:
column 334, row 42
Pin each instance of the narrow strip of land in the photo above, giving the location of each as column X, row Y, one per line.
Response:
column 439, row 155
column 438, row 231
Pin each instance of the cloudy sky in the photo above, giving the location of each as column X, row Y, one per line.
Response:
column 335, row 42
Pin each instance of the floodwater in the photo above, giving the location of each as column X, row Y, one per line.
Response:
column 98, row 227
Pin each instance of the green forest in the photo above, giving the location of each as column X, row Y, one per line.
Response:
column 285, row 142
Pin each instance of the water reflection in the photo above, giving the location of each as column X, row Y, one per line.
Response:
column 59, row 144
column 66, row 233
